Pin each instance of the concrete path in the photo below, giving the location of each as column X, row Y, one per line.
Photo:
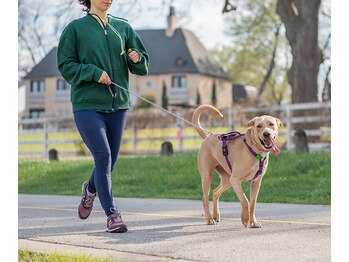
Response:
column 175, row 230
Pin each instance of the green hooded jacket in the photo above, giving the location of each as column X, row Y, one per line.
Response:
column 86, row 49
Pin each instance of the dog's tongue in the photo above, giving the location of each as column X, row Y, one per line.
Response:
column 276, row 150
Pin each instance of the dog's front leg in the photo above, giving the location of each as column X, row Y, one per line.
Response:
column 254, row 190
column 245, row 213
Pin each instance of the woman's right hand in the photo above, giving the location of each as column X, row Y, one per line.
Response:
column 104, row 79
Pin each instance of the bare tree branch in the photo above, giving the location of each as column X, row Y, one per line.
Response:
column 272, row 62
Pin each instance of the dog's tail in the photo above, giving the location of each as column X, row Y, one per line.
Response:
column 196, row 118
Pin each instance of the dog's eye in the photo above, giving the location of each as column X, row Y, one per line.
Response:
column 259, row 126
column 271, row 124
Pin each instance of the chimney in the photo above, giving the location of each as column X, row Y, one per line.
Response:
column 171, row 22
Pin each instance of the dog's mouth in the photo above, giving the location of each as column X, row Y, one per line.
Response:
column 269, row 144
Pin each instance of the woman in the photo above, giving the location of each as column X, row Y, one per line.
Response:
column 93, row 52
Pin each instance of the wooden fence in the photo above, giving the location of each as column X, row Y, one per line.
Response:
column 38, row 137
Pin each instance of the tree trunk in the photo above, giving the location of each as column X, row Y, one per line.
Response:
column 301, row 22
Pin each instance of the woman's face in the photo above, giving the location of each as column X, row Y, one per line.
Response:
column 101, row 5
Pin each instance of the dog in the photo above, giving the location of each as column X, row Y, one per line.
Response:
column 245, row 158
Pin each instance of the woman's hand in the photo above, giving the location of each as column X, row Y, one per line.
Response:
column 133, row 55
column 104, row 79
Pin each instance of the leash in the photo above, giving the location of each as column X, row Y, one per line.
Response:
column 156, row 105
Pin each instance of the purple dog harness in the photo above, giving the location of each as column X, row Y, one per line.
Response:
column 233, row 135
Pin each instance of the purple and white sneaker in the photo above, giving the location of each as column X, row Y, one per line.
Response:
column 115, row 223
column 86, row 204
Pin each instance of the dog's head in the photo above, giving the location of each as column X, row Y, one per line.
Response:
column 264, row 130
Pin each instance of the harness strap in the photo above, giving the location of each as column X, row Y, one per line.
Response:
column 259, row 157
column 233, row 135
column 229, row 136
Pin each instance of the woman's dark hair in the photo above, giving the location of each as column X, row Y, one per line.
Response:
column 86, row 4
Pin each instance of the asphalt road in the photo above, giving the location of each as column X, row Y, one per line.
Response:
column 175, row 230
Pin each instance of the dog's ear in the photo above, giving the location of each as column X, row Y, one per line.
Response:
column 278, row 122
column 251, row 122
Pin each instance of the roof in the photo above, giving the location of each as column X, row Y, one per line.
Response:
column 47, row 67
column 181, row 53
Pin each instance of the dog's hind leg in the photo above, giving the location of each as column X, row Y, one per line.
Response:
column 206, row 169
column 206, row 184
column 224, row 185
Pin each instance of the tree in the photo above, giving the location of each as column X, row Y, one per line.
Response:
column 40, row 24
column 258, row 55
column 37, row 33
column 301, row 21
column 214, row 94
column 198, row 97
column 143, row 104
column 164, row 95
column 300, row 18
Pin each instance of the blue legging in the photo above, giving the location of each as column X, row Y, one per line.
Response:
column 102, row 133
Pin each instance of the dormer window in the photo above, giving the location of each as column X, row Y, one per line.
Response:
column 180, row 61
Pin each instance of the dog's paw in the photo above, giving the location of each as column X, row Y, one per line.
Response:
column 245, row 218
column 255, row 224
column 244, row 223
column 211, row 222
column 217, row 219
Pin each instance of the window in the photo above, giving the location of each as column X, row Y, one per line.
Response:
column 62, row 85
column 36, row 113
column 179, row 82
column 37, row 86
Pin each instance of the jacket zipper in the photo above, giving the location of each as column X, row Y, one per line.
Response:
column 112, row 71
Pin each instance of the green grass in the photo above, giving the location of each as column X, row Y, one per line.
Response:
column 291, row 178
column 28, row 256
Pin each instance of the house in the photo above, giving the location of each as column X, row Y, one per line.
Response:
column 178, row 60
column 244, row 93
column 47, row 93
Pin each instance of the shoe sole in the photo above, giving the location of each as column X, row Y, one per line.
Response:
column 117, row 230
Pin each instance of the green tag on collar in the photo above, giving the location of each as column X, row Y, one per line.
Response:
column 259, row 156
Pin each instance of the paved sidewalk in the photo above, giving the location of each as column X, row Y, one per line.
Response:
column 175, row 230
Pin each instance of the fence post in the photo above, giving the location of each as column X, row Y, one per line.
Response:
column 230, row 119
column 45, row 124
column 289, row 127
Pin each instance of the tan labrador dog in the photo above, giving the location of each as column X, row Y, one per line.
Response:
column 247, row 160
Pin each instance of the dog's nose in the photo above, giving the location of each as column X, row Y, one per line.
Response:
column 266, row 134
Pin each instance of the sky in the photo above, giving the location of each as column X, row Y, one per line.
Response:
column 204, row 18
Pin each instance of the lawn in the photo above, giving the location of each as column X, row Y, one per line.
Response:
column 291, row 178
column 28, row 256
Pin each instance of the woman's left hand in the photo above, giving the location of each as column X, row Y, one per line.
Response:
column 133, row 55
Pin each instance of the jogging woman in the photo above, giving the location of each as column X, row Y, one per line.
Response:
column 93, row 52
